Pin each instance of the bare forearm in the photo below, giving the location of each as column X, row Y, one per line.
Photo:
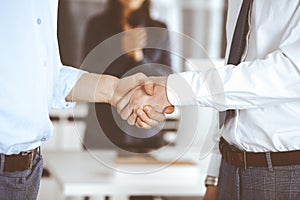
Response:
column 93, row 88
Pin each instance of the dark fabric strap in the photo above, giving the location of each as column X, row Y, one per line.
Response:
column 19, row 162
column 243, row 159
column 237, row 48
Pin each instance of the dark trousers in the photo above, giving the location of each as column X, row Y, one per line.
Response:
column 21, row 185
column 259, row 183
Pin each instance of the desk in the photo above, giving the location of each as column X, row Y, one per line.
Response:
column 80, row 174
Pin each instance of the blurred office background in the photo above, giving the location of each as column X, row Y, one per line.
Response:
column 201, row 20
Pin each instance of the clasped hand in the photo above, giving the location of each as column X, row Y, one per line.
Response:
column 142, row 100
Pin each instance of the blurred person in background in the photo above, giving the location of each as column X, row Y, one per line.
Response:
column 120, row 16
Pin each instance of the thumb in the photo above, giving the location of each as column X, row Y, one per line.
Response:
column 169, row 109
column 149, row 88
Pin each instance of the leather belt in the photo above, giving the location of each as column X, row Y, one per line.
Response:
column 19, row 162
column 243, row 159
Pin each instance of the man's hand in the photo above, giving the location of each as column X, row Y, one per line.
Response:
column 148, row 117
column 211, row 193
column 125, row 85
column 139, row 108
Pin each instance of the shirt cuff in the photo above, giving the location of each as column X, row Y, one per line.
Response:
column 68, row 76
column 179, row 91
column 215, row 163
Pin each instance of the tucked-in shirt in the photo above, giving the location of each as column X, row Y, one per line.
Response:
column 264, row 88
column 32, row 77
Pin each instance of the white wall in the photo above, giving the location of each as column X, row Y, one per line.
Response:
column 202, row 20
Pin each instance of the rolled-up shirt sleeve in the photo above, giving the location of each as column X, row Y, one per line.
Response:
column 179, row 89
column 270, row 80
column 64, row 81
column 215, row 162
column 251, row 84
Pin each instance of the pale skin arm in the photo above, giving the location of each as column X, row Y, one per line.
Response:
column 93, row 88
column 104, row 88
column 109, row 89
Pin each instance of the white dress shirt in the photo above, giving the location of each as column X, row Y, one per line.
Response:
column 265, row 88
column 32, row 77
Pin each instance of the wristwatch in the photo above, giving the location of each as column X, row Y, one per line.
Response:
column 211, row 181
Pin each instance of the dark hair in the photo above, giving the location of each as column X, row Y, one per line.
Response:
column 138, row 17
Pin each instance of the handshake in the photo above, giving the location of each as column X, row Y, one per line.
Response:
column 141, row 100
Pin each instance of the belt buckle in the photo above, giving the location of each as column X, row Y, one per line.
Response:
column 30, row 154
column 25, row 153
column 245, row 159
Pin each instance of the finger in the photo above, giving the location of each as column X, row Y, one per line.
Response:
column 140, row 77
column 139, row 123
column 142, row 116
column 169, row 109
column 157, row 116
column 124, row 101
column 127, row 111
column 149, row 88
column 132, row 119
column 125, row 106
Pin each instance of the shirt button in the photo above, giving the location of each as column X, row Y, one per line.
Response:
column 39, row 21
column 281, row 147
column 43, row 139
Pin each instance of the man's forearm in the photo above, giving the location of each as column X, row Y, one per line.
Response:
column 93, row 88
column 109, row 89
